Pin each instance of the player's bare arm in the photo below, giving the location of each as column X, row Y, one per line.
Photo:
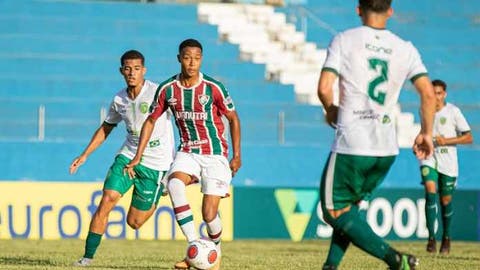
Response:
column 325, row 94
column 145, row 134
column 234, row 122
column 97, row 139
column 423, row 145
column 464, row 138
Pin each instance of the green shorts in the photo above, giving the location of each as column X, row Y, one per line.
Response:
column 446, row 184
column 348, row 179
column 147, row 186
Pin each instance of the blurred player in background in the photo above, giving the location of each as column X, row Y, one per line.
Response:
column 449, row 129
column 130, row 105
column 372, row 64
column 198, row 103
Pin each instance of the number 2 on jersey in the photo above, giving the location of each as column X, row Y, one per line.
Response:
column 378, row 95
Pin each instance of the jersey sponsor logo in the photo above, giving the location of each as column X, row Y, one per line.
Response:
column 443, row 150
column 380, row 49
column 196, row 142
column 154, row 143
column 144, row 107
column 191, row 115
column 203, row 99
column 443, row 120
column 172, row 101
column 366, row 114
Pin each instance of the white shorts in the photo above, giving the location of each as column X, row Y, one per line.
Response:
column 213, row 171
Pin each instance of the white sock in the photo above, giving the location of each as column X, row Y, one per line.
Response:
column 214, row 229
column 181, row 208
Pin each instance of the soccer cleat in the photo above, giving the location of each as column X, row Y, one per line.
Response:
column 83, row 262
column 183, row 264
column 432, row 245
column 408, row 262
column 329, row 267
column 445, row 246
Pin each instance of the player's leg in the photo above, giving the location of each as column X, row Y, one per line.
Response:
column 339, row 242
column 343, row 185
column 216, row 177
column 429, row 179
column 183, row 172
column 116, row 184
column 447, row 187
column 148, row 188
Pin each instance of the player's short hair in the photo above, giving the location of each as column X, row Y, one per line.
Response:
column 377, row 6
column 189, row 43
column 132, row 54
column 440, row 83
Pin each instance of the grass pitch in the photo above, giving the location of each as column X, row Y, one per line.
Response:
column 237, row 255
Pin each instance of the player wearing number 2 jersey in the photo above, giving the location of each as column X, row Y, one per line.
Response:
column 372, row 64
column 198, row 103
column 449, row 129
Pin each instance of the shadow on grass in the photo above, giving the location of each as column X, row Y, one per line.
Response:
column 24, row 261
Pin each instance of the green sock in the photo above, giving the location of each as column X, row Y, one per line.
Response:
column 431, row 213
column 338, row 245
column 91, row 244
column 362, row 236
column 447, row 213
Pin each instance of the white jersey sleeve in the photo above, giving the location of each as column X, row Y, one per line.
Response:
column 417, row 68
column 113, row 117
column 333, row 60
column 461, row 122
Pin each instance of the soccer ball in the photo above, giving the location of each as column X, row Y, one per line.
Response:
column 202, row 253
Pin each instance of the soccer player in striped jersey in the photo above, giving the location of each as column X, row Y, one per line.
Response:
column 198, row 103
column 372, row 64
column 130, row 105
column 449, row 129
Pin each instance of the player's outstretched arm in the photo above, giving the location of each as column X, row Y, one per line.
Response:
column 464, row 138
column 325, row 94
column 423, row 145
column 234, row 121
column 145, row 134
column 97, row 139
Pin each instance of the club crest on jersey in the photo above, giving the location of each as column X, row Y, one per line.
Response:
column 144, row 107
column 203, row 99
column 443, row 120
column 172, row 101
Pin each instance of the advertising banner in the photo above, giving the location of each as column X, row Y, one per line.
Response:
column 392, row 213
column 53, row 210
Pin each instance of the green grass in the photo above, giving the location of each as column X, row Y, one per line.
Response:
column 237, row 255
